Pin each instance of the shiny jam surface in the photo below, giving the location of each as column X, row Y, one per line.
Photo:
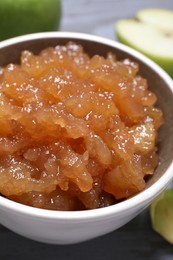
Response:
column 77, row 132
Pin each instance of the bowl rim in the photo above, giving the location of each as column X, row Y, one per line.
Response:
column 141, row 199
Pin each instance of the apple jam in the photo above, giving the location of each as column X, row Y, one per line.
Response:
column 77, row 132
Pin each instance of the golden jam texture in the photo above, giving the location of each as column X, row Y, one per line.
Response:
column 76, row 132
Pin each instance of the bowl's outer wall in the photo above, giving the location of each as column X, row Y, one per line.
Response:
column 63, row 232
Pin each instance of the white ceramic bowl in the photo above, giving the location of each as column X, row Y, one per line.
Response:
column 60, row 227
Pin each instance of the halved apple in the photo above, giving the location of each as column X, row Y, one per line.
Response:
column 150, row 33
column 162, row 215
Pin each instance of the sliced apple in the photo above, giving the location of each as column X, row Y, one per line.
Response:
column 151, row 33
column 162, row 215
column 162, row 19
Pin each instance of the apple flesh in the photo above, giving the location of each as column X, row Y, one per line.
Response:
column 19, row 17
column 162, row 215
column 151, row 33
column 160, row 18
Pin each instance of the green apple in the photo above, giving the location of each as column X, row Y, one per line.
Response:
column 151, row 33
column 162, row 215
column 19, row 17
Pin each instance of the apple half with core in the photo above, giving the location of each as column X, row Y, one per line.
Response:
column 150, row 33
column 18, row 17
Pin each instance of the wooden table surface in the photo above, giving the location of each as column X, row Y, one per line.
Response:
column 136, row 240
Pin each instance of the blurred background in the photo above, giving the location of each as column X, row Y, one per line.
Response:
column 99, row 16
column 87, row 16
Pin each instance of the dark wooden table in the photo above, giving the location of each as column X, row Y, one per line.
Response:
column 136, row 240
